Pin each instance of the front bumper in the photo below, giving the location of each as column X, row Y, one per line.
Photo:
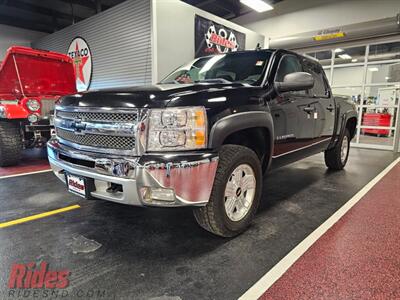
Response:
column 188, row 177
column 43, row 125
column 38, row 128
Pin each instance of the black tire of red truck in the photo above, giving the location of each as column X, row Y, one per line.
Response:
column 220, row 216
column 10, row 143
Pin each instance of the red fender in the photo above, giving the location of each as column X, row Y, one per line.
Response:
column 15, row 111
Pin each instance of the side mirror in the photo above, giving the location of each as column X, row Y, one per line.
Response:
column 298, row 81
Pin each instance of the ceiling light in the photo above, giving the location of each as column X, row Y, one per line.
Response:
column 257, row 5
column 338, row 50
column 344, row 56
column 373, row 69
column 288, row 38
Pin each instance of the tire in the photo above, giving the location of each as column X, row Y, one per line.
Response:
column 334, row 158
column 10, row 144
column 214, row 216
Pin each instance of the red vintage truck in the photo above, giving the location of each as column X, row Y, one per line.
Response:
column 31, row 81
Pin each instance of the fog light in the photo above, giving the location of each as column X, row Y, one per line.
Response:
column 33, row 118
column 158, row 194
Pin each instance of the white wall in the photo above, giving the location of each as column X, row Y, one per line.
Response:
column 291, row 17
column 10, row 36
column 174, row 43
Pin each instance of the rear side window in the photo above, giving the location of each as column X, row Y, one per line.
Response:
column 288, row 64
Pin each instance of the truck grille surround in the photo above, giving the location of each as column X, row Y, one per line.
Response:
column 97, row 131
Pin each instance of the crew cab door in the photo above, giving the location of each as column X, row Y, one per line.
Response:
column 324, row 114
column 292, row 112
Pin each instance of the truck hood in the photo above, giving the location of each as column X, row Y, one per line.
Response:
column 155, row 96
column 30, row 72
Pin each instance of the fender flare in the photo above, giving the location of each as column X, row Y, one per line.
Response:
column 343, row 119
column 239, row 121
column 346, row 116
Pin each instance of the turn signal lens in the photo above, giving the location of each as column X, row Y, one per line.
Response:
column 200, row 138
column 199, row 118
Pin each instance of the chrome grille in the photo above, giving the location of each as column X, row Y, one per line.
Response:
column 97, row 130
column 97, row 140
column 47, row 107
column 98, row 116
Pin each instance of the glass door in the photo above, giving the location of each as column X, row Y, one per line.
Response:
column 369, row 75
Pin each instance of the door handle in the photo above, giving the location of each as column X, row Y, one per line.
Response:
column 330, row 107
column 308, row 109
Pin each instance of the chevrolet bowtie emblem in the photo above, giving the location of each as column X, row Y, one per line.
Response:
column 78, row 126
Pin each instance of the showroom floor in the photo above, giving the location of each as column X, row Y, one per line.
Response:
column 118, row 251
column 33, row 160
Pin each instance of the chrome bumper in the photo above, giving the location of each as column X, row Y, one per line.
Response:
column 188, row 177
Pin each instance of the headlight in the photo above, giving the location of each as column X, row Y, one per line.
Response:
column 2, row 112
column 33, row 105
column 175, row 129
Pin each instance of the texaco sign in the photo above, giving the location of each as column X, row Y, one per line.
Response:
column 81, row 56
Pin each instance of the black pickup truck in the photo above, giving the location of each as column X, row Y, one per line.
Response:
column 202, row 137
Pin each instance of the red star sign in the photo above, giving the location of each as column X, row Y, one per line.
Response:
column 79, row 63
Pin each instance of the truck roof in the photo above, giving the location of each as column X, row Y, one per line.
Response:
column 308, row 58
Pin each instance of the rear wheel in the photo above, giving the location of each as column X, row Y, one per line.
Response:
column 236, row 192
column 10, row 144
column 336, row 158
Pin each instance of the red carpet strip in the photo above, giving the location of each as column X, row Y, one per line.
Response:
column 357, row 258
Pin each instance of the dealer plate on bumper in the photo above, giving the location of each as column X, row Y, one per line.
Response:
column 79, row 185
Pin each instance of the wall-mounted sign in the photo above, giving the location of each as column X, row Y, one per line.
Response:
column 81, row 56
column 329, row 34
column 214, row 38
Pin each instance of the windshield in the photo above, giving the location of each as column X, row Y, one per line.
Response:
column 243, row 67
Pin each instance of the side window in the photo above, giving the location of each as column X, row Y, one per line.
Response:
column 320, row 88
column 288, row 64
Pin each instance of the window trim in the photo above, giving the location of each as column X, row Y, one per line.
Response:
column 324, row 79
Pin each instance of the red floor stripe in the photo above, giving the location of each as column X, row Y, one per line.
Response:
column 25, row 167
column 358, row 258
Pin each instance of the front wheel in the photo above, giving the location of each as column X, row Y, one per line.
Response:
column 10, row 144
column 336, row 158
column 235, row 195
